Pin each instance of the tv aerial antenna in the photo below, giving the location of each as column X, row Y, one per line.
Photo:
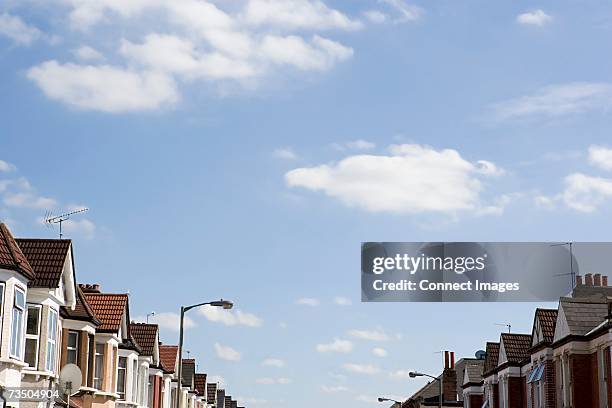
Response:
column 572, row 274
column 59, row 219
column 508, row 325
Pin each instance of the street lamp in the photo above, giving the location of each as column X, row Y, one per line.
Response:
column 414, row 374
column 225, row 304
column 382, row 399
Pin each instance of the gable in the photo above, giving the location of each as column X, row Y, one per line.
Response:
column 536, row 332
column 502, row 353
column 561, row 327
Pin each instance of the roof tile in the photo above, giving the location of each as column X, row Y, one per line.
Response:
column 11, row 256
column 109, row 308
column 145, row 335
column 47, row 258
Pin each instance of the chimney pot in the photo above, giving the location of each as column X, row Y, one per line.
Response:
column 588, row 279
column 579, row 281
column 446, row 361
column 604, row 280
column 452, row 359
column 597, row 279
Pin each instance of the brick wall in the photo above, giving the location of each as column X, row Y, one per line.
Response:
column 608, row 375
column 550, row 389
column 495, row 395
column 515, row 392
column 584, row 391
column 476, row 401
column 449, row 384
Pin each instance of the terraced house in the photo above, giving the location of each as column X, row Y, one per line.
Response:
column 47, row 321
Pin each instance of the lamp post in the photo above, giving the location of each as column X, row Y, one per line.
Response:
column 414, row 374
column 225, row 304
column 383, row 399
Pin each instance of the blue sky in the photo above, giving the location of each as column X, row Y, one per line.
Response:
column 242, row 150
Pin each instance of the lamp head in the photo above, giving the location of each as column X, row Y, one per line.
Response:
column 225, row 304
column 380, row 399
column 414, row 374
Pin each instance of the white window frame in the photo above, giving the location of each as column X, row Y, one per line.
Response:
column 96, row 354
column 52, row 329
column 70, row 348
column 36, row 336
column 2, row 296
column 20, row 337
column 122, row 396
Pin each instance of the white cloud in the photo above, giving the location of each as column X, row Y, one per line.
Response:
column 230, row 317
column 379, row 352
column 272, row 381
column 361, row 368
column 536, row 17
column 586, row 193
column 83, row 227
column 308, row 301
column 333, row 388
column 88, row 53
column 336, row 346
column 318, row 54
column 400, row 374
column 375, row 16
column 556, row 100
column 373, row 335
column 227, row 353
column 168, row 320
column 6, row 166
column 285, row 153
column 274, row 362
column 601, row 157
column 244, row 44
column 28, row 199
column 17, row 30
column 412, row 179
column 297, row 14
column 407, row 12
column 342, row 301
column 105, row 88
column 545, row 202
column 358, row 144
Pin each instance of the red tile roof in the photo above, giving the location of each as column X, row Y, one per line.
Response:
column 200, row 383
column 47, row 257
column 145, row 335
column 82, row 310
column 11, row 256
column 211, row 393
column 109, row 308
column 167, row 357
column 548, row 321
column 516, row 346
column 492, row 356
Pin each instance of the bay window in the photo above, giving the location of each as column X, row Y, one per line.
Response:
column 98, row 366
column 51, row 341
column 121, row 377
column 32, row 336
column 72, row 348
column 17, row 324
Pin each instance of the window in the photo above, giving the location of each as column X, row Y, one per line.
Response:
column 121, row 376
column 51, row 341
column 98, row 366
column 150, row 391
column 134, row 380
column 72, row 348
column 17, row 324
column 32, row 335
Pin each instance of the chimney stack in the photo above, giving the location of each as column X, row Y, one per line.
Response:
column 579, row 281
column 597, row 279
column 588, row 279
column 452, row 360
column 604, row 281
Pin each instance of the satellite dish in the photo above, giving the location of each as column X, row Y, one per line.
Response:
column 70, row 379
column 481, row 354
